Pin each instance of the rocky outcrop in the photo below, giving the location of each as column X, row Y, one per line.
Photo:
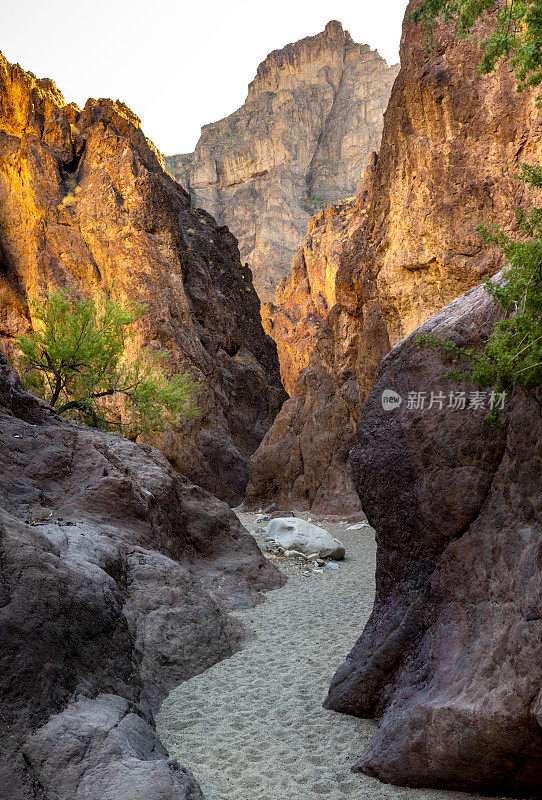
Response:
column 450, row 660
column 302, row 461
column 85, row 201
column 312, row 116
column 115, row 576
column 451, row 147
column 304, row 299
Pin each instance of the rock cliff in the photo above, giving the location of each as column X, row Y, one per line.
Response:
column 451, row 146
column 85, row 201
column 115, row 577
column 312, row 116
column 304, row 299
column 450, row 658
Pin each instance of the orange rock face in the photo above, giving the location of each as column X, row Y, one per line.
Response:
column 304, row 299
column 451, row 147
column 85, row 201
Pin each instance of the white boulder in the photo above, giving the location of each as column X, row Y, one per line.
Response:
column 292, row 533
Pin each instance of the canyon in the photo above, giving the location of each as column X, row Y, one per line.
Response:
column 124, row 573
column 451, row 148
column 311, row 118
column 85, row 202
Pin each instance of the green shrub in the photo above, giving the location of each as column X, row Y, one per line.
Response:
column 75, row 360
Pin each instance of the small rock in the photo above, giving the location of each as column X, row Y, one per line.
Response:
column 263, row 518
column 332, row 565
column 294, row 554
column 281, row 514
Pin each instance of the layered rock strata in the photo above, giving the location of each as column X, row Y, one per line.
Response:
column 85, row 202
column 451, row 148
column 115, row 578
column 450, row 660
column 312, row 116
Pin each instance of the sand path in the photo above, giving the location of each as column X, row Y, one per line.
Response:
column 253, row 727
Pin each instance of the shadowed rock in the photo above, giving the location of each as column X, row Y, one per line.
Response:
column 115, row 576
column 450, row 661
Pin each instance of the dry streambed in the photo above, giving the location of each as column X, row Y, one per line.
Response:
column 253, row 727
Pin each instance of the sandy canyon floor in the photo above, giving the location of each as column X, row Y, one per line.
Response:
column 253, row 727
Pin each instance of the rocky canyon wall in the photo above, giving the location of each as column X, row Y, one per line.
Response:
column 449, row 661
column 116, row 574
column 85, row 202
column 312, row 116
column 451, row 147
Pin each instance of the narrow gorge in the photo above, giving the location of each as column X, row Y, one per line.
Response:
column 326, row 581
column 371, row 271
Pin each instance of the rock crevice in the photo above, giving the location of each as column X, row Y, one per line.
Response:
column 374, row 268
column 85, row 202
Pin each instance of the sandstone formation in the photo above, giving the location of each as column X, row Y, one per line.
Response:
column 312, row 116
column 115, row 575
column 450, row 660
column 85, row 201
column 451, row 146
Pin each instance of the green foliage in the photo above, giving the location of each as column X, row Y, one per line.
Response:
column 513, row 353
column 311, row 203
column 516, row 37
column 75, row 360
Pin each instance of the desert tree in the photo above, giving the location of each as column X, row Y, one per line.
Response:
column 75, row 359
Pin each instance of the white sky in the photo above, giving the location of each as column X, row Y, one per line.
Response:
column 177, row 65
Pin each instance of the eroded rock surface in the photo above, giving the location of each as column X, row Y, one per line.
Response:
column 115, row 576
column 312, row 116
column 303, row 300
column 85, row 201
column 451, row 658
column 304, row 537
column 451, row 147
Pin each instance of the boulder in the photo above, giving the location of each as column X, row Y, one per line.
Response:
column 297, row 534
column 450, row 661
column 103, row 748
column 116, row 574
